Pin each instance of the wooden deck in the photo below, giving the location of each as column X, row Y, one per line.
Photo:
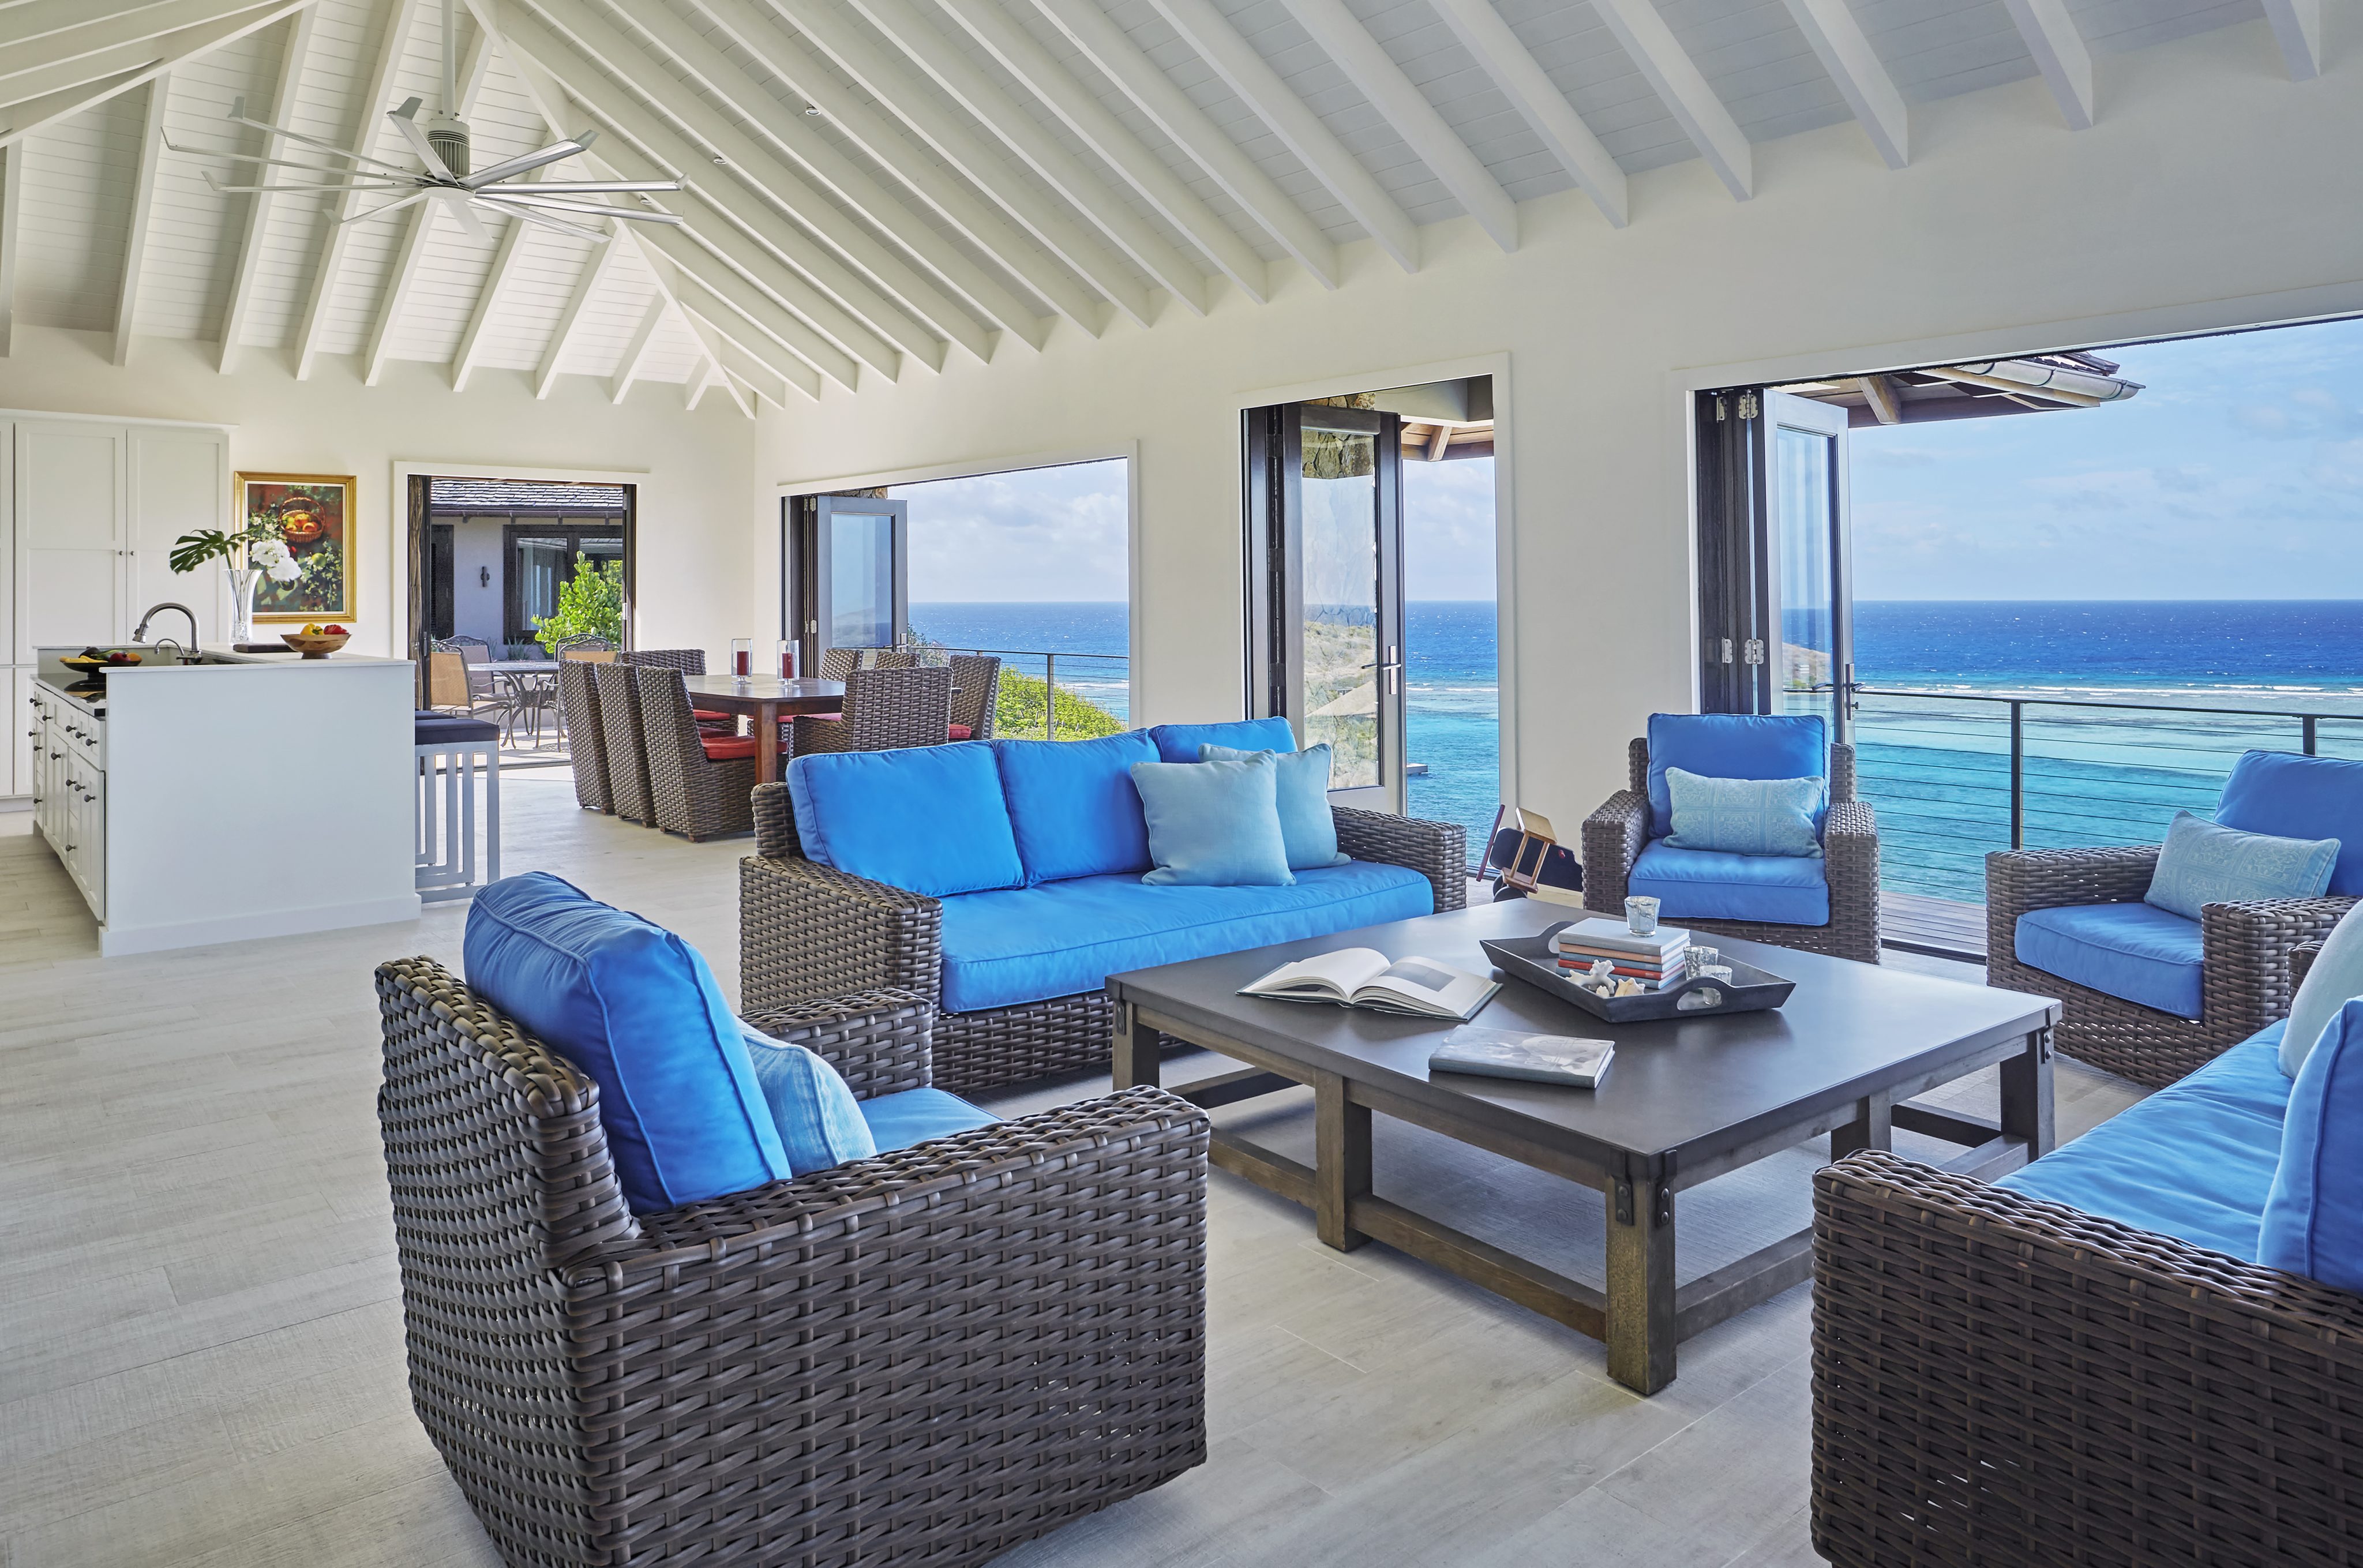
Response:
column 1940, row 927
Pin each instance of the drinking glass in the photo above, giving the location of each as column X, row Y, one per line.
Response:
column 742, row 657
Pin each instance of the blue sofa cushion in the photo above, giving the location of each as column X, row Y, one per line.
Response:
column 1302, row 792
column 1073, row 805
column 1735, row 746
column 2137, row 952
column 1029, row 945
column 2204, row 862
column 2313, row 1218
column 635, row 1007
column 929, row 818
column 1180, row 742
column 897, row 1121
column 1745, row 817
column 2193, row 1161
column 818, row 1120
column 1712, row 884
column 2301, row 798
column 1214, row 824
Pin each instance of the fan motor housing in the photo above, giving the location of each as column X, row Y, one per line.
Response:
column 447, row 135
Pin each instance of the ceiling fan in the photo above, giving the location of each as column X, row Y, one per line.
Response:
column 441, row 145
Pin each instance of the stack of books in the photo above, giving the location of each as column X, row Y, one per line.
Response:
column 1652, row 960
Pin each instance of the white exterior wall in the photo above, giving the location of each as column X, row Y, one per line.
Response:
column 477, row 608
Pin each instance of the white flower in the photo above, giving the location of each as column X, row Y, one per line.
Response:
column 275, row 560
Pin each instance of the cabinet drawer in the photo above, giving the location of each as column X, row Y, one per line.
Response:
column 86, row 736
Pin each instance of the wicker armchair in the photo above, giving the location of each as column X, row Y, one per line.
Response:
column 924, row 1357
column 2002, row 1380
column 806, row 930
column 698, row 784
column 2246, row 984
column 884, row 709
column 976, row 695
column 578, row 707
column 1614, row 837
column 627, row 747
column 836, row 663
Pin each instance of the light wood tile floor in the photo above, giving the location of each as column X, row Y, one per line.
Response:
column 200, row 1324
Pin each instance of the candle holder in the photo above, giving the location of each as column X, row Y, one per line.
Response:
column 742, row 659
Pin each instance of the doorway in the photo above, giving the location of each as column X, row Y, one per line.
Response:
column 849, row 574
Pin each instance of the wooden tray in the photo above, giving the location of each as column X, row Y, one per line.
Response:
column 1530, row 960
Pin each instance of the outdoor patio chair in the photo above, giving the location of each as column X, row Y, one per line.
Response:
column 628, row 746
column 698, row 784
column 836, row 663
column 457, row 681
column 2150, row 994
column 689, row 661
column 929, row 1355
column 883, row 709
column 1825, row 904
column 586, row 742
column 976, row 695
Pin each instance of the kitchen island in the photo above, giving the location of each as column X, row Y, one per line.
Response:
column 228, row 796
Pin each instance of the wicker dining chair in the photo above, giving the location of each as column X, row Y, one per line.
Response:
column 927, row 1356
column 688, row 660
column 698, row 784
column 628, row 746
column 976, row 695
column 836, row 663
column 884, row 709
column 586, row 741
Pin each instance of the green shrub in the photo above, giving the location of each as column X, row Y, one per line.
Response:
column 590, row 603
column 1020, row 713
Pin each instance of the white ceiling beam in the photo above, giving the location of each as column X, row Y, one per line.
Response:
column 2297, row 28
column 956, row 72
column 922, row 106
column 1840, row 44
column 1675, row 78
column 419, row 225
column 143, row 205
column 837, row 298
column 1521, row 79
column 791, row 331
column 1021, row 54
column 2050, row 35
column 368, row 117
column 38, row 99
column 596, row 269
column 701, row 376
column 1172, row 111
column 856, row 191
column 669, row 283
column 1218, row 43
column 1339, row 34
column 12, row 205
column 636, row 353
column 494, row 298
column 28, row 19
column 293, row 56
column 66, row 51
column 755, row 358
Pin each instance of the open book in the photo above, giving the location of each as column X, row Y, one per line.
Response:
column 1365, row 977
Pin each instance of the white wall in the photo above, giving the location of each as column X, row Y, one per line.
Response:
column 479, row 609
column 692, row 468
column 2213, row 193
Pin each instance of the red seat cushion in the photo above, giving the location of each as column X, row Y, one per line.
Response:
column 959, row 732
column 727, row 747
column 707, row 715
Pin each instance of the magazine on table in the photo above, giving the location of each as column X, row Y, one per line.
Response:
column 1535, row 1058
column 1365, row 977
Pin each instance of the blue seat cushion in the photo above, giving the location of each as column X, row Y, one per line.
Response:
column 1712, row 884
column 929, row 818
column 2194, row 1161
column 2313, row 1216
column 897, row 1121
column 1073, row 804
column 1029, row 945
column 449, row 729
column 2296, row 796
column 635, row 1007
column 1180, row 742
column 1735, row 746
column 2134, row 950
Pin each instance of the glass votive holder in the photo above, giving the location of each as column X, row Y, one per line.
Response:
column 742, row 657
column 1641, row 916
column 1697, row 960
column 787, row 659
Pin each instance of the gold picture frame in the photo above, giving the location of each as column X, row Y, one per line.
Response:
column 316, row 513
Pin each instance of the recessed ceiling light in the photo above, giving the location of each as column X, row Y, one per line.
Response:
column 718, row 159
column 812, row 109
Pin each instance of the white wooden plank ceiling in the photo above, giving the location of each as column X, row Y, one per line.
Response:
column 875, row 185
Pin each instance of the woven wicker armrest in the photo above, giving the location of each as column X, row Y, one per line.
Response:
column 879, row 1041
column 2249, row 979
column 1438, row 850
column 1612, row 837
column 1995, row 1376
column 2302, row 958
column 806, row 930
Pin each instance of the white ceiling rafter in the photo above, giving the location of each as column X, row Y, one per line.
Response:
column 235, row 313
column 636, row 353
column 143, row 208
column 418, row 224
column 956, row 74
column 783, row 327
column 33, row 100
column 1155, row 94
column 1521, row 79
column 1676, row 79
column 1399, row 102
column 12, row 229
column 604, row 259
column 1845, row 54
column 507, row 265
column 101, row 42
column 2297, row 28
column 1210, row 33
column 2060, row 53
column 668, row 293
column 740, row 351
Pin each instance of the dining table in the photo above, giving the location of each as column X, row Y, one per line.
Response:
column 766, row 699
column 531, row 684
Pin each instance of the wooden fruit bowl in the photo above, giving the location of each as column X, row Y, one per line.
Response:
column 318, row 647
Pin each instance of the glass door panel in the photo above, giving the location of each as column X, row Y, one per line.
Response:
column 1807, row 556
column 852, row 564
column 1340, row 679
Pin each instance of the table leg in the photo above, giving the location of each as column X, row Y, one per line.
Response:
column 1640, row 1283
column 766, row 742
column 2026, row 1110
column 1872, row 1128
column 1134, row 1052
column 1341, row 1161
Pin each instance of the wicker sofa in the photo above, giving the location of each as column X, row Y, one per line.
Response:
column 924, row 1357
column 808, row 929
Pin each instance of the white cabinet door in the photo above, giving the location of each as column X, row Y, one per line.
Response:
column 179, row 482
column 70, row 543
column 24, row 735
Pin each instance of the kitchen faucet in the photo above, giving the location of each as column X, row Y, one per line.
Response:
column 139, row 634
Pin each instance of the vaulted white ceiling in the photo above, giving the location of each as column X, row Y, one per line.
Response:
column 875, row 183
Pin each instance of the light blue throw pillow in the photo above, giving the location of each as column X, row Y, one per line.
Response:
column 1745, row 817
column 1303, row 789
column 2313, row 1223
column 2204, row 862
column 820, row 1123
column 2335, row 979
column 1214, row 824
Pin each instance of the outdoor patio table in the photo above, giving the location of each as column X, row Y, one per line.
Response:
column 766, row 699
column 531, row 680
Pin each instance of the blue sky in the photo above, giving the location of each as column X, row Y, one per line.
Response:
column 2238, row 473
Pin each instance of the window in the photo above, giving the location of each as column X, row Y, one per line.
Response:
column 542, row 559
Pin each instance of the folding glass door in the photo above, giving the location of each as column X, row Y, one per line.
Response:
column 849, row 568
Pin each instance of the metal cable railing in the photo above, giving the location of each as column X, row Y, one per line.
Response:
column 1113, row 692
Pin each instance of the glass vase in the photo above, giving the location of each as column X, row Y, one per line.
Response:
column 242, row 580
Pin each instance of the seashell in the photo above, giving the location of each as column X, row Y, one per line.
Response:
column 1702, row 997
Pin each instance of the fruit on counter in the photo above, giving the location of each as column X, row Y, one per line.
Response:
column 311, row 628
column 333, row 629
column 120, row 657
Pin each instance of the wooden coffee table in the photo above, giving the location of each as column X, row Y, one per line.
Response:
column 1686, row 1101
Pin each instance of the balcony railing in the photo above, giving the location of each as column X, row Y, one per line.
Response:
column 1103, row 680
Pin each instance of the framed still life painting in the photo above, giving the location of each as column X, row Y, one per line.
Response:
column 314, row 512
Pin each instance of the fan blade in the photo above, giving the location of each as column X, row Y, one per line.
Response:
column 524, row 163
column 323, row 146
column 406, row 120
column 171, row 146
column 594, row 209
column 340, row 188
column 390, row 206
column 527, row 215
column 461, row 208
column 585, row 188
